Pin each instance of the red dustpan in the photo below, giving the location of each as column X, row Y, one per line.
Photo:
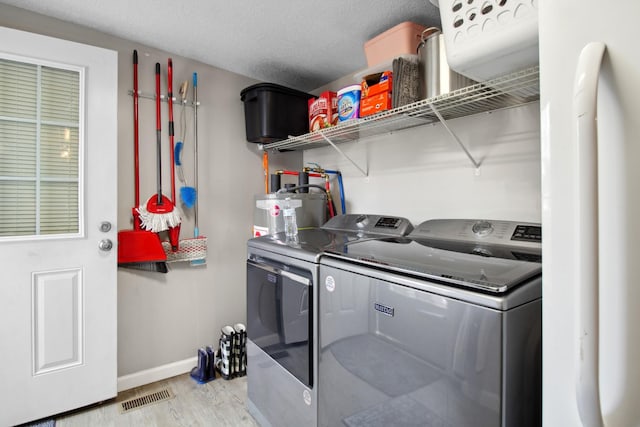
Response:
column 139, row 249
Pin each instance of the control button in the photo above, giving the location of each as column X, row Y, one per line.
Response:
column 362, row 221
column 482, row 228
column 481, row 251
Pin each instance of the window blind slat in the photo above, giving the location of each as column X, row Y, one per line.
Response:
column 59, row 211
column 17, row 149
column 60, row 94
column 18, row 83
column 47, row 202
column 59, row 151
column 17, row 212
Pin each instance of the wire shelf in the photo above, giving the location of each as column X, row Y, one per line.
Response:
column 512, row 90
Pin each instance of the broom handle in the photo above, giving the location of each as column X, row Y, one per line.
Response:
column 158, row 136
column 136, row 156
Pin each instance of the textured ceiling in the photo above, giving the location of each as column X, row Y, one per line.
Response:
column 298, row 43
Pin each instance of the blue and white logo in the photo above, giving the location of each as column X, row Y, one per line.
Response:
column 384, row 309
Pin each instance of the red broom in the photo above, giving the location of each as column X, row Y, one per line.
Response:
column 137, row 248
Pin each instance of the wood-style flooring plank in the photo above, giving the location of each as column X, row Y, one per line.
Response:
column 218, row 403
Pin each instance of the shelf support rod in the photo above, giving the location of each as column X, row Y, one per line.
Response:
column 454, row 136
column 343, row 155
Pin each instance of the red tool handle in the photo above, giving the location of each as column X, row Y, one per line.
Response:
column 296, row 173
column 327, row 187
column 265, row 167
column 136, row 156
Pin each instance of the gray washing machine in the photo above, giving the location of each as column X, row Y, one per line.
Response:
column 282, row 303
column 442, row 328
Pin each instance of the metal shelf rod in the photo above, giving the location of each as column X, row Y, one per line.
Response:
column 344, row 155
column 454, row 136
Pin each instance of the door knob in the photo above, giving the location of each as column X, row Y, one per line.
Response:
column 105, row 245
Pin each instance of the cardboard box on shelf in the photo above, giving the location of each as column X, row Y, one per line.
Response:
column 375, row 103
column 376, row 93
column 376, row 83
column 323, row 111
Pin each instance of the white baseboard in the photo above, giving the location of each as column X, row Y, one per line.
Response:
column 158, row 373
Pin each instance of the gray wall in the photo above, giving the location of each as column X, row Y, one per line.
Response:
column 163, row 319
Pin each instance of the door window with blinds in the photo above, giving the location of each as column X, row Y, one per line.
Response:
column 41, row 128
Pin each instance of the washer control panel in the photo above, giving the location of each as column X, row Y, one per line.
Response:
column 370, row 224
column 510, row 233
column 482, row 228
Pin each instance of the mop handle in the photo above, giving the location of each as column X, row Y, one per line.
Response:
column 158, row 136
column 171, row 134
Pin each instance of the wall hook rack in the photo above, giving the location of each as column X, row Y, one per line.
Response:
column 163, row 98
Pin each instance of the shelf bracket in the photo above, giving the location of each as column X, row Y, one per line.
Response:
column 343, row 155
column 454, row 136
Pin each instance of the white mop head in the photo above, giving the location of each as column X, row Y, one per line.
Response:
column 158, row 222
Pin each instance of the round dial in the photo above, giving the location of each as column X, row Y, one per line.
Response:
column 482, row 228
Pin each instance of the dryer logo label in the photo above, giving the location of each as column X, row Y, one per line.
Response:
column 384, row 309
column 330, row 283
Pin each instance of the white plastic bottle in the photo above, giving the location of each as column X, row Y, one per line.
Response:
column 290, row 223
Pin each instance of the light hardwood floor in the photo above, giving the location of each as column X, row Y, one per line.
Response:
column 216, row 403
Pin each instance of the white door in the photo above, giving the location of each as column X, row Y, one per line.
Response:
column 58, row 317
column 609, row 394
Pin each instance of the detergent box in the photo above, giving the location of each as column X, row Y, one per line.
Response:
column 323, row 111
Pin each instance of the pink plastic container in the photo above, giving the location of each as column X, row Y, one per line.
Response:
column 400, row 40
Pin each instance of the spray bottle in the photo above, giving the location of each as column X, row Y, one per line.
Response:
column 290, row 222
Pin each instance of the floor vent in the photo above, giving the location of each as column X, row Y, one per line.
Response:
column 146, row 400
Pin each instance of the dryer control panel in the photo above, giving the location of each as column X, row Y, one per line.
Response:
column 527, row 233
column 490, row 232
column 370, row 224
